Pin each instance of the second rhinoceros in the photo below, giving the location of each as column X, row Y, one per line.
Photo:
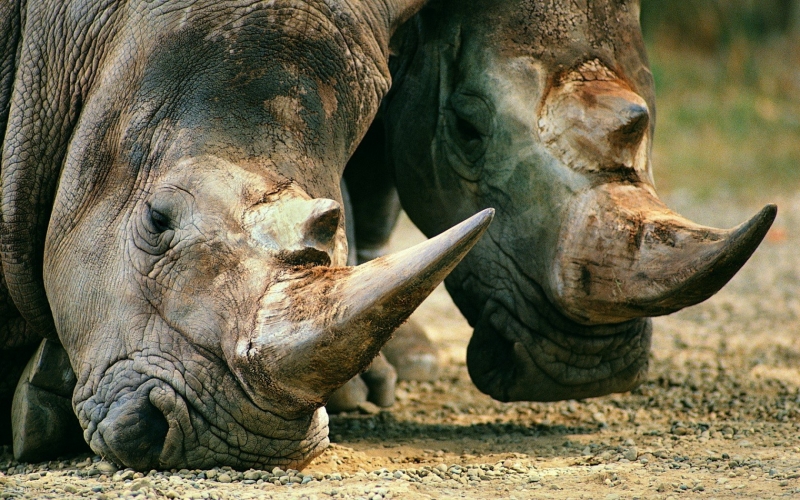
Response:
column 171, row 214
column 544, row 111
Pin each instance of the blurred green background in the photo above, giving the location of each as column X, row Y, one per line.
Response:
column 727, row 78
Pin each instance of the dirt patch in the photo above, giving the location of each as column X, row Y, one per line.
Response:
column 719, row 417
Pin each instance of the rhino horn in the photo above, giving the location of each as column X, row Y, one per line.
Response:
column 623, row 255
column 320, row 326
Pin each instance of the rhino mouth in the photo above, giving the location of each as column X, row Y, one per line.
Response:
column 524, row 349
column 153, row 412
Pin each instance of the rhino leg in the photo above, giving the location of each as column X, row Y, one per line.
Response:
column 375, row 204
column 375, row 208
column 365, row 187
column 348, row 396
column 413, row 354
column 376, row 385
column 43, row 423
column 381, row 379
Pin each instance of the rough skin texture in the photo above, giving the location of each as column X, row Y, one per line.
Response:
column 539, row 109
column 106, row 248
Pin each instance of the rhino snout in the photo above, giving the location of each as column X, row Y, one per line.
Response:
column 319, row 327
column 134, row 431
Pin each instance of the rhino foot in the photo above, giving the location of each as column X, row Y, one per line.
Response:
column 376, row 385
column 348, row 396
column 43, row 424
column 412, row 354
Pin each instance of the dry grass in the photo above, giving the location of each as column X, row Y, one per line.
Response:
column 728, row 123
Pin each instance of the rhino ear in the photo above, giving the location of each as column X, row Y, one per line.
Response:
column 399, row 11
column 387, row 15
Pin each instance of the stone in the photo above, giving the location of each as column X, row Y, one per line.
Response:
column 51, row 370
column 141, row 483
column 106, row 468
column 252, row 475
column 631, row 453
column 43, row 424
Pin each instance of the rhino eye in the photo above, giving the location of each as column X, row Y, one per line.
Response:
column 158, row 221
column 469, row 127
column 469, row 134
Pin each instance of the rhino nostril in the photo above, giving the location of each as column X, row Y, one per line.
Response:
column 636, row 120
column 305, row 257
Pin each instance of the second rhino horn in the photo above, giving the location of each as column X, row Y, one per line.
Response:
column 623, row 255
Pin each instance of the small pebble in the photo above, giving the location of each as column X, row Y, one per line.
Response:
column 106, row 468
column 631, row 453
column 252, row 475
column 123, row 475
column 140, row 483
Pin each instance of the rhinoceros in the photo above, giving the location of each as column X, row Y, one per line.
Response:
column 546, row 112
column 172, row 215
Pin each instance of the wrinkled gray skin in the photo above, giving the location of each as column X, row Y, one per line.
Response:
column 145, row 144
column 544, row 111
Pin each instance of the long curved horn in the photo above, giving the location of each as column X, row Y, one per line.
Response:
column 623, row 255
column 320, row 327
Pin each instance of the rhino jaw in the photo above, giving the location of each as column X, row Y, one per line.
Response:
column 624, row 255
column 319, row 327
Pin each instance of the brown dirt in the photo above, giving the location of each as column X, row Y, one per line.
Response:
column 719, row 417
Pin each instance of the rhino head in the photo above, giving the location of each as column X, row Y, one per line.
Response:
column 546, row 112
column 171, row 208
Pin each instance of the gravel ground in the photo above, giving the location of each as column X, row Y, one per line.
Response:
column 718, row 418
